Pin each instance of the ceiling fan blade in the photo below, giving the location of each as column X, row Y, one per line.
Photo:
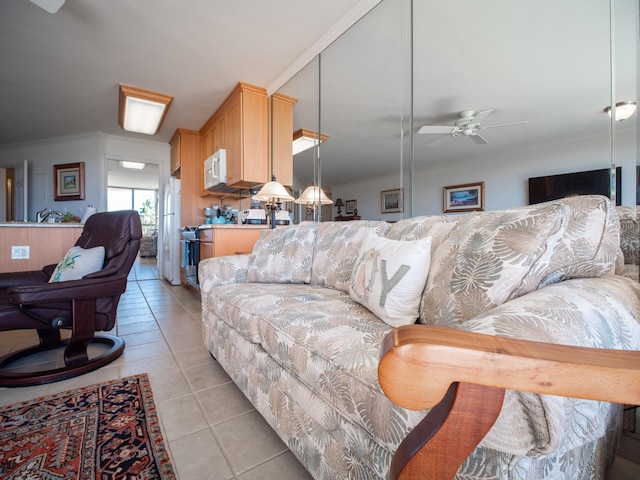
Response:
column 435, row 129
column 439, row 141
column 479, row 139
column 51, row 6
column 478, row 117
column 503, row 125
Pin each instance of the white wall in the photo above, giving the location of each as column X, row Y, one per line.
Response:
column 506, row 178
column 93, row 149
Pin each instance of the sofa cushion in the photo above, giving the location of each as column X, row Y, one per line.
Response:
column 77, row 263
column 629, row 234
column 282, row 255
column 337, row 246
column 586, row 246
column 389, row 276
column 484, row 260
column 435, row 226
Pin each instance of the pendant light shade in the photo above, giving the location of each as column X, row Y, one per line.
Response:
column 311, row 195
column 273, row 192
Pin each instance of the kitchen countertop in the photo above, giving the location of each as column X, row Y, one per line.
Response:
column 42, row 224
column 229, row 225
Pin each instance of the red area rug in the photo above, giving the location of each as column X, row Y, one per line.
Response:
column 104, row 431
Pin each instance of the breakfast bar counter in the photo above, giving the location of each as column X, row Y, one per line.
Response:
column 41, row 243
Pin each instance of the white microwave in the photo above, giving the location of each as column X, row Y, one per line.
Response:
column 215, row 169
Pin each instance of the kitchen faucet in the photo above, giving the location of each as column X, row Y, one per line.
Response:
column 44, row 214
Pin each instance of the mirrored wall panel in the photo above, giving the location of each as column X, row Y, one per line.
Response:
column 422, row 97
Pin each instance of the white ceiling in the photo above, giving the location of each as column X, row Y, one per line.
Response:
column 546, row 62
column 59, row 73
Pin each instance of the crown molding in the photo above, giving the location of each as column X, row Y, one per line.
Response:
column 345, row 23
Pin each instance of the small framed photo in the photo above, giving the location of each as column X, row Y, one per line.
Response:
column 351, row 206
column 464, row 198
column 391, row 201
column 68, row 181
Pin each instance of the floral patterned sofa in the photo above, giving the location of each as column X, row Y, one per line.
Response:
column 293, row 324
column 629, row 242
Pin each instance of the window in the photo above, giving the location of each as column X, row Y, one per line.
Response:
column 143, row 201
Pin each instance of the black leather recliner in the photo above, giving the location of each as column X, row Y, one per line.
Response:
column 28, row 301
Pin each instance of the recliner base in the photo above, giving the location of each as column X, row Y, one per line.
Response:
column 29, row 378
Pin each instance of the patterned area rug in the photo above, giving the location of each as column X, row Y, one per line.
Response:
column 109, row 430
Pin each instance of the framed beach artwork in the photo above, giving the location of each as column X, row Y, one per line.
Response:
column 464, row 198
column 391, row 201
column 351, row 206
column 68, row 181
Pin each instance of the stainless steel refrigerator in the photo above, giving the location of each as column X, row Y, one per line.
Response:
column 171, row 248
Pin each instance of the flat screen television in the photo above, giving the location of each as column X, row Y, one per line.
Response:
column 552, row 187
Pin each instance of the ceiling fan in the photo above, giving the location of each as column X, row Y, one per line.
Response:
column 467, row 125
column 51, row 6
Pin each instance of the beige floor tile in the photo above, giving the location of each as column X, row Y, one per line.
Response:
column 139, row 327
column 223, row 402
column 198, row 456
column 181, row 416
column 206, row 376
column 184, row 337
column 141, row 338
column 135, row 353
column 248, row 441
column 194, row 357
column 22, row 394
column 282, row 467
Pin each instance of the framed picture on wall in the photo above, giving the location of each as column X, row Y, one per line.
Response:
column 464, row 198
column 68, row 181
column 351, row 206
column 391, row 201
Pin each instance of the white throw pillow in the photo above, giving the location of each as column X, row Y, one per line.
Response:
column 77, row 263
column 389, row 276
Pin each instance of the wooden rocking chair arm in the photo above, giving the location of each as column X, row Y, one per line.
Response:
column 419, row 363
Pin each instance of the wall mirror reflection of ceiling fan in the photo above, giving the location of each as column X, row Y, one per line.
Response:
column 51, row 6
column 468, row 125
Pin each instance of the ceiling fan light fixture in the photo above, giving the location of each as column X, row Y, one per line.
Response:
column 304, row 139
column 624, row 110
column 142, row 111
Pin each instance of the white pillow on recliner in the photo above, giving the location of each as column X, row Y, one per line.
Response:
column 77, row 263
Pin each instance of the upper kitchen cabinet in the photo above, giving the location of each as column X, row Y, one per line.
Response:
column 241, row 126
column 185, row 148
column 282, row 135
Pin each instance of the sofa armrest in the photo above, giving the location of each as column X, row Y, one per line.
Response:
column 216, row 271
column 462, row 375
column 420, row 362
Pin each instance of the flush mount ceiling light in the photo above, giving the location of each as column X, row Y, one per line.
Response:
column 51, row 6
column 623, row 110
column 304, row 139
column 132, row 165
column 142, row 111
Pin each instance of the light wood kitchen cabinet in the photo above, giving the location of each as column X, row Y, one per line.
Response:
column 227, row 240
column 185, row 147
column 241, row 126
column 282, row 127
column 185, row 144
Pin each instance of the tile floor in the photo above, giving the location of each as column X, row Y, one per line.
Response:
column 211, row 430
